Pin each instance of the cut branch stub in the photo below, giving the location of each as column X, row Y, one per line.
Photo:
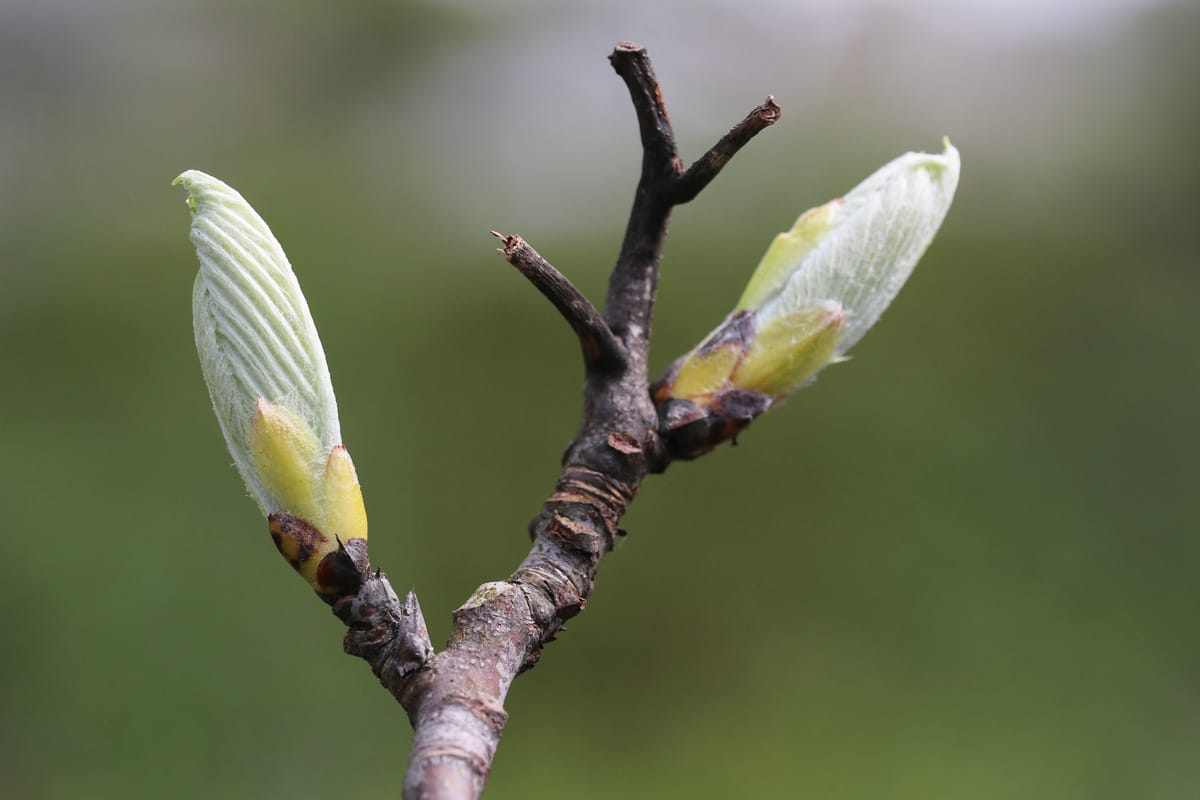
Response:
column 709, row 165
column 602, row 351
column 659, row 153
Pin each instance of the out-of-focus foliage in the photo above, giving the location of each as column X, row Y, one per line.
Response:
column 961, row 566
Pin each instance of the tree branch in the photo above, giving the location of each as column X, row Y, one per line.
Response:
column 630, row 303
column 602, row 351
column 455, row 699
column 632, row 63
column 663, row 184
column 709, row 165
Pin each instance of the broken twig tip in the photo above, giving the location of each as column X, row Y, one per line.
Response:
column 770, row 110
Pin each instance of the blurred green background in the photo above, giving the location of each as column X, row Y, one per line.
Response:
column 960, row 566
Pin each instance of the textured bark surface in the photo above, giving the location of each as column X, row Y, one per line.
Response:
column 455, row 698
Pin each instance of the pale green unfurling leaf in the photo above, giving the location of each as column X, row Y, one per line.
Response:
column 858, row 250
column 820, row 286
column 266, row 374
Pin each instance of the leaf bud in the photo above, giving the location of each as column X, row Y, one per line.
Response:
column 269, row 383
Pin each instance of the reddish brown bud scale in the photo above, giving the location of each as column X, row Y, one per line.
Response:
column 692, row 430
column 296, row 539
column 338, row 574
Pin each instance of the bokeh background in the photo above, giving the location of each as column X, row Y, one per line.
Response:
column 963, row 565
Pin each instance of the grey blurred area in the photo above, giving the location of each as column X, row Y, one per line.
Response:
column 961, row 565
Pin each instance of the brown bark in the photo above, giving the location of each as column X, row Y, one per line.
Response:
column 455, row 698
